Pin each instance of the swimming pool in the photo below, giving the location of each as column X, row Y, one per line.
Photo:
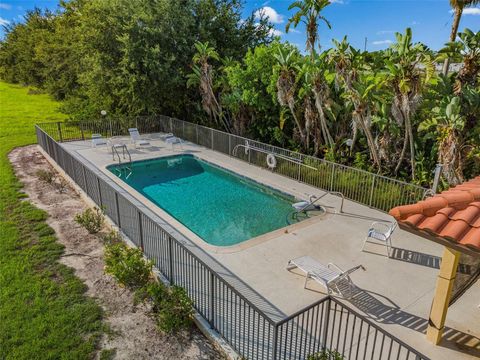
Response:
column 221, row 207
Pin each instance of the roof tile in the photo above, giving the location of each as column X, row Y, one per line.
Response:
column 453, row 215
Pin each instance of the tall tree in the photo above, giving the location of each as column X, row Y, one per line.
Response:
column 203, row 75
column 457, row 7
column 310, row 13
column 360, row 84
column 408, row 70
column 287, row 86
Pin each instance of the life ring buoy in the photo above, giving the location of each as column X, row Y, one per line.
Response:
column 271, row 161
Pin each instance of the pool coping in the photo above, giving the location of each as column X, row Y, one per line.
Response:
column 185, row 231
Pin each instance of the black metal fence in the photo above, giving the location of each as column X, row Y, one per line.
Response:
column 327, row 325
column 367, row 188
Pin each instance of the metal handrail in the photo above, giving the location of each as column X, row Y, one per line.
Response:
column 249, row 147
column 128, row 166
column 318, row 198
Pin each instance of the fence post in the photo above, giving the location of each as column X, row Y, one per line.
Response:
column 171, row 126
column 183, row 129
column 229, row 145
column 325, row 326
column 140, row 228
column 85, row 179
column 196, row 128
column 371, row 191
column 275, row 342
column 333, row 177
column 99, row 192
column 212, row 300
column 170, row 255
column 81, row 131
column 59, row 127
column 211, row 132
column 436, row 179
column 117, row 206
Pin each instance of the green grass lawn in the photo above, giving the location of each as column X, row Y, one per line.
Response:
column 44, row 313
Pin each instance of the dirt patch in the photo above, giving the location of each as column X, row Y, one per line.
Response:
column 133, row 333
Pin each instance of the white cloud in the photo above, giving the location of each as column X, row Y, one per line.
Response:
column 5, row 6
column 471, row 11
column 382, row 42
column 4, row 22
column 275, row 32
column 270, row 13
column 295, row 31
column 336, row 1
column 383, row 32
column 414, row 22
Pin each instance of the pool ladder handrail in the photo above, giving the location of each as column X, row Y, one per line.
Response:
column 312, row 201
column 125, row 153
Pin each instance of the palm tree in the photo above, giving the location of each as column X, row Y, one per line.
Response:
column 360, row 85
column 287, row 86
column 457, row 6
column 316, row 84
column 448, row 124
column 407, row 79
column 203, row 77
column 309, row 12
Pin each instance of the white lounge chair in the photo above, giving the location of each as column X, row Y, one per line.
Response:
column 137, row 140
column 172, row 139
column 333, row 278
column 381, row 233
column 98, row 140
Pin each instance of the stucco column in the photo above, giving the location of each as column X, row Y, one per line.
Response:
column 443, row 293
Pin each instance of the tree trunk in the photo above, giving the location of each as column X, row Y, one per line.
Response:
column 404, row 149
column 300, row 129
column 453, row 35
column 412, row 146
column 323, row 122
column 370, row 141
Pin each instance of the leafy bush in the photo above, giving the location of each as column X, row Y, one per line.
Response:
column 46, row 176
column 113, row 237
column 326, row 355
column 172, row 308
column 91, row 219
column 127, row 265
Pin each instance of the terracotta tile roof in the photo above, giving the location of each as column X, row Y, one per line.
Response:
column 452, row 215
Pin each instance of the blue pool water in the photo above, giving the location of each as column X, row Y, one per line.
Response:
column 219, row 206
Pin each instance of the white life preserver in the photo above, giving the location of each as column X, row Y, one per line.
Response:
column 271, row 161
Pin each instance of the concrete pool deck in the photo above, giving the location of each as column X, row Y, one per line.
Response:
column 395, row 293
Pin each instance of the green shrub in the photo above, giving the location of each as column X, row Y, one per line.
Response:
column 326, row 355
column 172, row 307
column 46, row 176
column 112, row 237
column 127, row 265
column 176, row 311
column 91, row 219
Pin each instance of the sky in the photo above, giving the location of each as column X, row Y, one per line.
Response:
column 373, row 20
